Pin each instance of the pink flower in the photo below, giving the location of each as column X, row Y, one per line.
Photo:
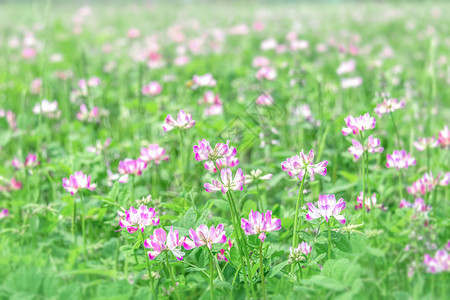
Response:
column 299, row 45
column 428, row 183
column 36, row 85
column 133, row 33
column 361, row 123
column 205, row 236
column 255, row 175
column 372, row 147
column 10, row 118
column 47, row 108
column 134, row 219
column 370, row 201
column 203, row 151
column 264, row 100
column 260, row 61
column 266, row 73
column 228, row 183
column 89, row 116
column 203, row 80
column 437, row 264
column 131, row 166
column 351, row 82
column 299, row 164
column 240, row 29
column 99, row 147
column 210, row 98
column 183, row 121
column 299, row 253
column 346, row 67
column 181, row 60
column 4, row 213
column 226, row 162
column 418, row 205
column 400, row 160
column 28, row 52
column 356, row 149
column 259, row 224
column 326, row 207
column 159, row 242
column 388, row 106
column 30, row 162
column 221, row 255
column 152, row 89
column 425, row 143
column 444, row 137
column 213, row 110
column 78, row 181
column 268, row 44
column 155, row 153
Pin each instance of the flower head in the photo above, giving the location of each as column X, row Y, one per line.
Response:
column 134, row 219
column 183, row 121
column 89, row 116
column 424, row 143
column 400, row 160
column 444, row 137
column 47, row 108
column 203, row 80
column 160, row 241
column 351, row 82
column 30, row 162
column 370, row 201
column 326, row 207
column 255, row 175
column 78, row 181
column 361, row 123
column 155, row 153
column 388, row 106
column 4, row 213
column 264, row 100
column 228, row 183
column 427, row 183
column 259, row 224
column 267, row 73
column 299, row 164
column 205, row 236
column 151, row 89
column 372, row 146
column 203, row 151
column 130, row 166
column 437, row 264
column 299, row 253
column 226, row 162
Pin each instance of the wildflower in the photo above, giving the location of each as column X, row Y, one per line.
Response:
column 260, row 61
column 92, row 82
column 361, row 123
column 152, row 89
column 47, row 108
column 130, row 166
column 327, row 207
column 226, row 162
column 400, row 160
column 30, row 162
column 36, row 85
column 425, row 143
column 184, row 121
column 346, row 67
column 78, row 181
column 10, row 118
column 267, row 73
column 221, row 255
column 133, row 33
column 213, row 110
column 134, row 219
column 372, row 147
column 255, row 175
column 444, row 137
column 259, row 224
column 299, row 253
column 418, row 205
column 388, row 106
column 99, row 147
column 203, row 80
column 370, row 201
column 264, row 100
column 298, row 165
column 228, row 183
column 205, row 236
column 160, row 241
column 4, row 213
column 351, row 82
column 437, row 264
column 204, row 151
column 427, row 183
column 155, row 153
column 210, row 98
column 90, row 116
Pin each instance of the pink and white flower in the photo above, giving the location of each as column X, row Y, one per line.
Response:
column 203, row 80
column 372, row 147
column 298, row 165
column 151, row 89
column 155, row 153
column 370, row 201
column 228, row 183
column 259, row 224
column 99, row 147
column 361, row 123
column 267, row 73
column 425, row 143
column 78, row 181
column 428, row 183
column 351, row 82
column 4, row 213
column 183, row 121
column 299, row 253
column 89, row 116
column 205, row 236
column 346, row 67
column 134, row 219
column 204, row 151
column 264, row 100
column 437, row 264
column 130, row 166
column 400, row 160
column 444, row 137
column 47, row 108
column 388, row 106
column 226, row 162
column 160, row 242
column 326, row 208
column 255, row 175
column 30, row 162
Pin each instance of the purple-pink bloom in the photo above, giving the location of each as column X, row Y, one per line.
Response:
column 346, row 67
column 89, row 116
column 78, row 181
column 153, row 152
column 205, row 236
column 370, row 201
column 226, row 162
column 30, row 162
column 203, row 80
column 264, row 100
column 399, row 160
column 267, row 73
column 299, row 253
column 4, row 213
column 424, row 143
column 299, row 164
column 361, row 123
column 259, row 224
column 444, row 137
column 326, row 207
column 183, row 121
column 372, row 146
column 160, row 241
column 204, row 151
column 427, row 183
column 151, row 89
column 388, row 106
column 228, row 183
column 437, row 264
column 130, row 166
column 134, row 219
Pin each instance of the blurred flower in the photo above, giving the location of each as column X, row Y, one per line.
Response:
column 130, row 166
column 4, row 213
column 152, row 89
column 418, row 205
column 205, row 236
column 361, row 123
column 259, row 224
column 268, row 44
column 299, row 253
column 444, row 137
column 159, row 242
column 427, row 183
column 228, row 183
column 370, row 201
column 203, row 151
column 210, row 98
column 133, row 33
column 213, row 110
column 10, row 118
column 78, row 181
column 255, row 175
column 99, row 147
column 437, row 264
column 388, row 106
column 266, row 73
column 425, row 143
column 264, row 100
column 346, row 67
column 134, row 219
column 30, row 162
column 400, row 160
column 260, row 61
column 372, row 147
column 36, row 85
column 184, row 121
column 351, row 82
column 327, row 207
column 298, row 165
column 155, row 153
column 47, row 108
column 89, row 116
column 221, row 255
column 203, row 80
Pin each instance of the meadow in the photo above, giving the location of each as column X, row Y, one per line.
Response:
column 212, row 150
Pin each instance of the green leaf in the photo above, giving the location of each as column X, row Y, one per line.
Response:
column 276, row 269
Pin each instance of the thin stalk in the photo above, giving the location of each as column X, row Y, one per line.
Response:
column 116, row 263
column 395, row 129
column 211, row 276
column 132, row 188
column 171, row 276
column 261, row 208
column 300, row 272
column 299, row 203
column 434, row 203
column 74, row 216
column 234, row 280
column 363, row 181
column 219, row 271
column 181, row 157
column 329, row 238
column 261, row 269
column 428, row 159
column 83, row 225
column 400, row 185
column 149, row 270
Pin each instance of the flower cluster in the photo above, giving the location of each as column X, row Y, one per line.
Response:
column 267, row 73
column 259, row 224
column 203, row 80
column 418, row 205
column 151, row 89
column 358, row 124
column 228, row 183
column 88, row 116
column 47, row 108
column 425, row 143
column 400, row 160
column 30, row 162
column 204, row 151
column 388, row 106
column 370, row 201
column 255, row 175
column 226, row 162
column 428, row 183
column 372, row 146
column 183, row 121
column 160, row 241
column 153, row 152
column 444, row 138
column 78, row 181
column 298, row 165
column 439, row 263
column 130, row 166
column 140, row 218
column 205, row 236
column 299, row 253
column 326, row 207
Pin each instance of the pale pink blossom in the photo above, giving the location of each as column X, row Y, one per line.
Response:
column 204, row 151
column 326, row 208
column 160, row 242
column 259, row 224
column 134, row 219
column 361, row 123
column 264, row 100
column 152, row 89
column 388, row 106
column 226, row 162
column 228, row 183
column 444, row 137
column 155, row 153
column 346, row 67
column 256, row 175
column 371, row 201
column 424, row 143
column 298, row 165
column 400, row 160
column 130, row 166
column 88, row 116
column 183, row 121
column 78, row 181
column 260, row 61
column 267, row 73
column 205, row 236
column 351, row 82
column 299, row 253
column 203, row 80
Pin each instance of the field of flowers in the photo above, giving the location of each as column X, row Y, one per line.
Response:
column 224, row 151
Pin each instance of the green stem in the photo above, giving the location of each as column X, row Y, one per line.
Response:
column 300, row 272
column 132, row 188
column 363, row 182
column 74, row 216
column 261, row 208
column 181, row 157
column 234, row 280
column 83, row 225
column 149, row 270
column 395, row 129
column 171, row 276
column 400, row 185
column 329, row 238
column 211, row 275
column 296, row 219
column 219, row 271
column 116, row 264
column 434, row 203
column 261, row 269
column 428, row 159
